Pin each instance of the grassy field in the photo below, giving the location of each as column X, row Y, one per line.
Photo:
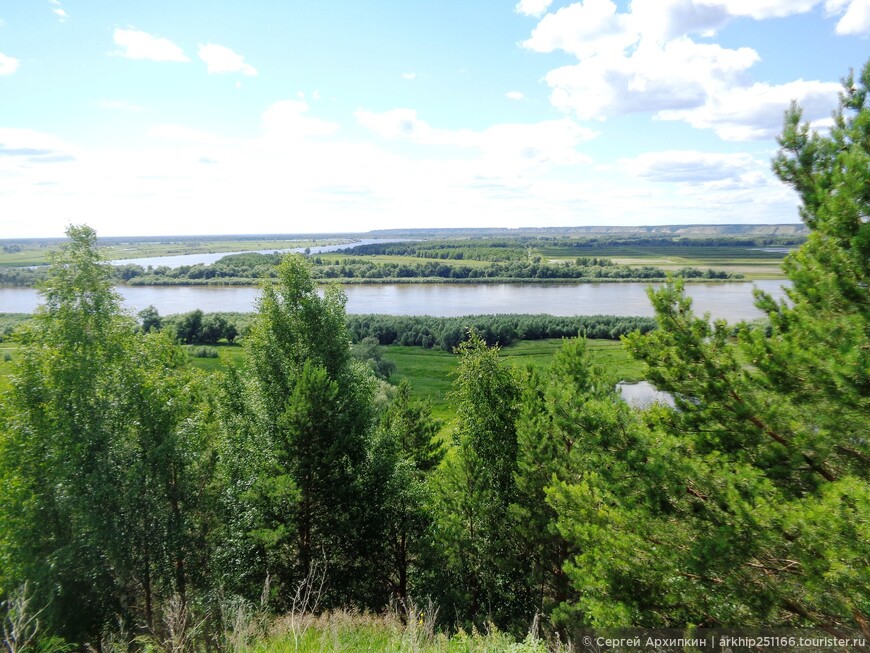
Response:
column 752, row 263
column 37, row 252
column 431, row 371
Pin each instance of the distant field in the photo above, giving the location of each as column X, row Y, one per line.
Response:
column 750, row 262
column 431, row 371
column 36, row 253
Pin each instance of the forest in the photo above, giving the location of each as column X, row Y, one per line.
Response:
column 148, row 506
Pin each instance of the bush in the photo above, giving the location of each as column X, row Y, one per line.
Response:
column 204, row 352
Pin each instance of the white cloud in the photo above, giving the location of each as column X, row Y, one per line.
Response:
column 220, row 59
column 644, row 60
column 583, row 29
column 856, row 15
column 756, row 111
column 30, row 146
column 515, row 95
column 287, row 120
column 8, row 65
column 409, row 76
column 680, row 75
column 533, row 7
column 119, row 105
column 687, row 166
column 183, row 134
column 60, row 13
column 510, row 146
column 136, row 44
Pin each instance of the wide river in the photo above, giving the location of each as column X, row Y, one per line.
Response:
column 732, row 301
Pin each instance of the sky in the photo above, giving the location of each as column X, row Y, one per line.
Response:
column 168, row 117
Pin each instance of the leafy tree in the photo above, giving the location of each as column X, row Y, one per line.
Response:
column 369, row 352
column 150, row 320
column 308, row 442
column 478, row 488
column 407, row 452
column 189, row 328
column 99, row 440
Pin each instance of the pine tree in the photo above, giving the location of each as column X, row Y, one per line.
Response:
column 306, row 448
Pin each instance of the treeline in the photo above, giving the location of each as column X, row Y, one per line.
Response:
column 521, row 247
column 255, row 267
column 197, row 327
column 448, row 332
column 477, row 249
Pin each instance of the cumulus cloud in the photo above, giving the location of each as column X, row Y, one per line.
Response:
column 756, row 111
column 8, row 65
column 533, row 7
column 220, row 59
column 855, row 18
column 515, row 95
column 510, row 144
column 409, row 76
column 287, row 119
column 687, row 166
column 183, row 134
column 136, row 44
column 58, row 10
column 645, row 60
column 33, row 146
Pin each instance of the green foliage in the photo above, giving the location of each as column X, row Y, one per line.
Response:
column 204, row 352
column 298, row 441
column 405, row 455
column 150, row 320
column 764, row 503
column 100, row 457
column 369, row 352
column 477, row 489
column 447, row 332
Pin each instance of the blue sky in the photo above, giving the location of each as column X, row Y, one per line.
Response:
column 172, row 117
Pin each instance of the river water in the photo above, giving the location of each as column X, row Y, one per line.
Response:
column 732, row 301
column 209, row 258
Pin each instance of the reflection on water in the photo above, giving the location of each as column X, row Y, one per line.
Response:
column 178, row 260
column 732, row 301
column 643, row 394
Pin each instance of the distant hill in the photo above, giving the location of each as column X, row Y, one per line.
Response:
column 684, row 231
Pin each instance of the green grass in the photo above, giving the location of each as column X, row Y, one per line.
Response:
column 352, row 632
column 751, row 263
column 232, row 354
column 10, row 351
column 37, row 253
column 431, row 371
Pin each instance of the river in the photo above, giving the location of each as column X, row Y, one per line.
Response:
column 208, row 258
column 732, row 301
